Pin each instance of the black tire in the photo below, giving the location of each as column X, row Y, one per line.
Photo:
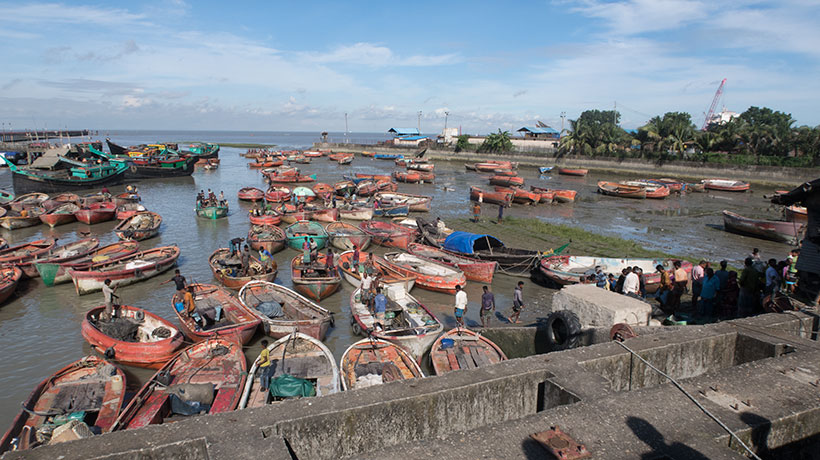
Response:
column 357, row 329
column 109, row 353
column 563, row 330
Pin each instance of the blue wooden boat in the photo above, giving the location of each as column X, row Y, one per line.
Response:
column 545, row 169
column 388, row 156
column 392, row 211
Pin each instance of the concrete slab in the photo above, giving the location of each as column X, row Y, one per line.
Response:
column 598, row 307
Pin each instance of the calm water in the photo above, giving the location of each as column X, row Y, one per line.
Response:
column 40, row 327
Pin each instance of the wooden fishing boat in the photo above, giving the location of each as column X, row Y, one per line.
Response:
column 352, row 212
column 430, row 274
column 227, row 268
column 279, row 179
column 323, row 190
column 140, row 226
column 296, row 355
column 27, row 217
column 124, row 198
column 373, row 177
column 29, row 200
column 303, row 194
column 653, row 190
column 388, row 156
column 490, row 197
column 315, row 280
column 725, row 185
column 336, row 156
column 366, row 188
column 775, row 230
column 9, row 278
column 374, row 361
column 388, row 234
column 545, row 195
column 511, row 261
column 151, row 341
column 62, row 214
column 74, row 176
column 303, row 230
column 622, row 191
column 312, row 153
column 492, row 166
column 368, row 154
column 225, row 316
column 129, row 209
column 265, row 163
column 345, row 160
column 268, row 237
column 205, row 377
column 59, row 254
column 6, row 197
column 90, row 387
column 95, row 213
column 60, row 199
column 426, row 177
column 96, row 197
column 58, row 272
column 564, row 196
column 126, row 270
column 281, row 171
column 410, row 177
column 344, row 187
column 507, row 181
column 673, row 185
column 283, row 311
column 25, row 252
column 520, row 196
column 545, row 169
column 420, row 167
column 387, row 186
column 694, row 187
column 269, row 217
column 564, row 270
column 344, row 236
column 462, row 348
column 211, row 212
column 250, row 194
column 317, row 213
column 387, row 275
column 572, row 172
column 394, row 210
column 418, row 203
column 474, row 269
column 797, row 214
column 278, row 195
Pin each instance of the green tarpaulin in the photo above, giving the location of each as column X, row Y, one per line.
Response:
column 288, row 386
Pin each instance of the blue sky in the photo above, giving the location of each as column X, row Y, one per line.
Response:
column 303, row 65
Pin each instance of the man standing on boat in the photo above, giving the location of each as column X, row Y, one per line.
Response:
column 246, row 260
column 264, row 367
column 487, row 306
column 109, row 296
column 461, row 306
column 379, row 307
column 179, row 281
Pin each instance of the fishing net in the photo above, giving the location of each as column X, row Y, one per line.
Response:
column 124, row 329
column 270, row 309
column 161, row 332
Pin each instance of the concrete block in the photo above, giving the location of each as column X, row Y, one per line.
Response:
column 598, row 307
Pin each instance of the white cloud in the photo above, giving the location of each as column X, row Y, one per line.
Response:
column 633, row 17
column 59, row 13
column 376, row 56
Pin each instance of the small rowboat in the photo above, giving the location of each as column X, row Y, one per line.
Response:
column 673, row 185
column 564, row 270
column 654, row 190
column 507, row 181
column 419, row 203
column 352, row 212
column 152, row 341
column 316, row 280
column 312, row 153
column 491, row 166
column 572, row 172
column 545, row 169
column 303, row 194
column 388, row 156
column 336, row 156
column 91, row 198
column 140, row 226
column 788, row 232
column 29, row 200
column 797, row 214
column 387, row 186
column 474, row 269
column 27, row 217
column 622, row 191
column 227, row 268
column 394, row 210
column 387, row 275
column 323, row 190
column 373, row 177
column 124, row 198
column 25, row 252
column 270, row 217
column 426, row 177
column 296, row 355
column 250, row 194
column 304, row 230
column 344, row 236
column 545, row 195
column 430, row 274
column 520, row 196
column 366, row 188
column 410, row 177
column 90, row 387
column 6, row 197
column 311, row 213
column 278, row 195
column 211, row 212
column 374, row 361
column 60, row 199
column 345, row 160
column 9, row 277
column 62, row 214
column 491, row 197
column 127, row 270
column 129, row 209
column 460, row 348
column 95, row 213
column 726, row 185
column 282, row 310
column 564, row 196
column 226, row 317
column 205, row 377
column 59, row 254
column 344, row 187
column 420, row 167
column 55, row 273
column 268, row 237
column 279, row 179
column 280, row 171
column 388, row 234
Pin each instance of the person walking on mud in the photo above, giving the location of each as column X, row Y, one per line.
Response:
column 518, row 303
column 500, row 213
column 461, row 306
column 487, row 306
column 476, row 211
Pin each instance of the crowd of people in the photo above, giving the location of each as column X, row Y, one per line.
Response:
column 210, row 199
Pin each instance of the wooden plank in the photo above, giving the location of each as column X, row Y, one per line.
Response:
column 479, row 356
column 463, row 362
column 451, row 358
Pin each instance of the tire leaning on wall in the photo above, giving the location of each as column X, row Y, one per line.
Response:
column 563, row 330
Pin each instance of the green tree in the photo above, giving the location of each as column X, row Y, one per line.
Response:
column 463, row 143
column 672, row 132
column 597, row 132
column 497, row 142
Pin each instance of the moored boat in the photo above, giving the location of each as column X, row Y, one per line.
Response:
column 491, row 197
column 461, row 349
column 507, row 181
column 725, row 185
column 27, row 217
column 783, row 231
column 474, row 269
column 129, row 209
column 126, row 197
column 140, row 226
column 25, row 252
column 572, row 172
column 205, row 377
column 654, row 190
column 9, row 278
column 59, row 254
column 60, row 199
column 29, row 200
column 545, row 169
column 564, row 196
column 268, row 237
column 306, row 230
column 564, row 270
column 250, row 194
column 314, row 280
column 374, row 361
column 388, row 234
column 797, row 214
column 622, row 191
column 409, row 177
column 136, row 337
column 127, row 270
column 227, row 268
column 62, row 214
column 345, row 187
column 419, row 203
column 429, row 273
column 222, row 314
column 277, row 195
column 353, row 212
column 344, row 236
column 511, row 261
column 74, row 176
column 545, row 195
column 95, row 213
column 55, row 273
column 264, row 217
column 283, row 310
column 520, row 195
column 387, row 275
column 393, row 210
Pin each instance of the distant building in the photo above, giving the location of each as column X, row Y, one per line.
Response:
column 545, row 133
column 403, row 132
column 722, row 117
column 447, row 135
column 409, row 141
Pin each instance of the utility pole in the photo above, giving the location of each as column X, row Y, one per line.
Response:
column 346, row 140
column 563, row 117
column 614, row 114
column 446, row 114
column 419, row 125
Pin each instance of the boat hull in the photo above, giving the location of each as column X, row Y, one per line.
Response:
column 470, row 350
column 86, row 282
column 781, row 231
column 241, row 328
column 304, row 315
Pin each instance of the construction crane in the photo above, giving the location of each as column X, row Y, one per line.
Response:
column 712, row 107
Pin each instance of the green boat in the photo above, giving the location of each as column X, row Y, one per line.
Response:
column 211, row 212
column 66, row 174
column 298, row 232
column 202, row 150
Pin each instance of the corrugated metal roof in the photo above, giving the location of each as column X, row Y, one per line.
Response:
column 412, row 138
column 404, row 131
column 535, row 130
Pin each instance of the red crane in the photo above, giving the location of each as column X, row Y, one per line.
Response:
column 712, row 107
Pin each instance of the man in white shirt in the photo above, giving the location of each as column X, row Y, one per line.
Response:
column 461, row 305
column 632, row 284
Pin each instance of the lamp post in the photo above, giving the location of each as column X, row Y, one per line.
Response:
column 419, row 124
column 446, row 114
column 563, row 116
column 346, row 139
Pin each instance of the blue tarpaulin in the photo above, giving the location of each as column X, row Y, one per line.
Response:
column 467, row 243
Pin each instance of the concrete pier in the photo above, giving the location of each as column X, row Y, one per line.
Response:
column 760, row 376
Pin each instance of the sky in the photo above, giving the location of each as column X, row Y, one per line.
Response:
column 301, row 66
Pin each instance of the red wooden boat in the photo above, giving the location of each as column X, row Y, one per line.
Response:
column 270, row 217
column 474, row 269
column 507, row 181
column 520, row 196
column 672, row 184
column 465, row 349
column 387, row 275
column 91, row 387
column 654, row 190
column 96, row 212
column 366, row 188
column 789, row 232
column 344, row 236
column 298, row 312
column 572, row 172
column 372, row 352
column 312, row 153
column 54, row 273
column 420, row 167
column 545, row 195
column 564, row 196
column 290, row 179
column 277, row 195
column 374, row 177
column 491, row 166
column 127, row 270
column 492, row 197
column 504, row 172
column 388, row 234
column 24, row 252
column 235, row 324
column 214, row 370
column 140, row 226
column 281, row 171
column 250, row 194
column 12, row 220
column 344, row 187
column 622, row 191
column 9, row 278
column 29, row 200
column 336, row 156
column 269, row 237
column 426, row 176
column 154, row 342
column 387, row 186
column 315, row 281
column 290, row 215
column 59, row 215
column 410, row 177
column 227, row 268
column 726, row 185
column 323, row 190
column 59, row 254
column 60, row 199
column 430, row 274
column 129, row 209
column 127, row 197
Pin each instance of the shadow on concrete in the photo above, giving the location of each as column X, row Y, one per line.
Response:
column 647, row 433
column 761, row 426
